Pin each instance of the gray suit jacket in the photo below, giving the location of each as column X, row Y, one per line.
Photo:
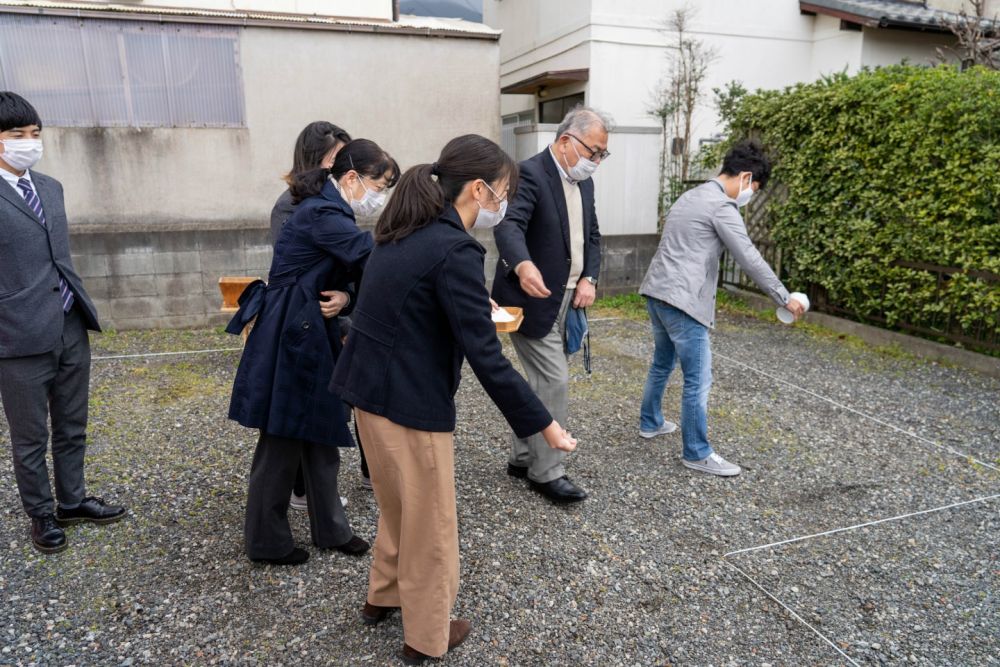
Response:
column 685, row 269
column 33, row 257
column 282, row 211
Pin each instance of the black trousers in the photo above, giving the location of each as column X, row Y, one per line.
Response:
column 300, row 480
column 272, row 476
column 34, row 389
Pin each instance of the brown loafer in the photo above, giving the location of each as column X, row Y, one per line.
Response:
column 457, row 633
column 372, row 614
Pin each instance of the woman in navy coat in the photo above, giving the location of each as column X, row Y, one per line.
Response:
column 281, row 384
column 423, row 308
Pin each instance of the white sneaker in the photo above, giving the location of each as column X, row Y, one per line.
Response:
column 298, row 502
column 668, row 427
column 714, row 465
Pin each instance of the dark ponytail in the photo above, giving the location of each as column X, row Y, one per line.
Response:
column 420, row 199
column 361, row 155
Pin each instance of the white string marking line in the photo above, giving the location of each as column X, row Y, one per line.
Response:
column 831, row 401
column 862, row 525
column 792, row 612
column 166, row 354
column 873, row 418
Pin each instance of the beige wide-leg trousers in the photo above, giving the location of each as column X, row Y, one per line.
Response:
column 415, row 564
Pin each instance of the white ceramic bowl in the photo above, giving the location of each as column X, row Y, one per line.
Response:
column 785, row 315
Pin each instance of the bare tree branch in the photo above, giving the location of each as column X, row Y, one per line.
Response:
column 977, row 37
column 677, row 99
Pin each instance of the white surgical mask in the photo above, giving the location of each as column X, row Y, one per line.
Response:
column 370, row 202
column 744, row 196
column 21, row 154
column 583, row 169
column 486, row 218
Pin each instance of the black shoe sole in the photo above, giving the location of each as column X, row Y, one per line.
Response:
column 346, row 552
column 519, row 472
column 558, row 500
column 50, row 550
column 278, row 562
column 82, row 519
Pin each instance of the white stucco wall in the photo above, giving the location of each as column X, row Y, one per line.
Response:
column 889, row 47
column 625, row 185
column 531, row 25
column 834, row 50
column 170, row 175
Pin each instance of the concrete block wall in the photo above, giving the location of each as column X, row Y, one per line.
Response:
column 156, row 277
column 624, row 260
column 165, row 277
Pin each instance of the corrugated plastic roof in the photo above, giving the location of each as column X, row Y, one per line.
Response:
column 406, row 25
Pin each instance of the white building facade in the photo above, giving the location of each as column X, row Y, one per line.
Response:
column 612, row 54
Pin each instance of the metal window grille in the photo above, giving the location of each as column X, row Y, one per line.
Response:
column 508, row 141
column 95, row 73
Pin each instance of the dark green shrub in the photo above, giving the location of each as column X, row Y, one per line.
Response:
column 887, row 172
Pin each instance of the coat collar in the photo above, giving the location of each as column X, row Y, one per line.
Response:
column 450, row 216
column 558, row 193
column 331, row 193
column 15, row 198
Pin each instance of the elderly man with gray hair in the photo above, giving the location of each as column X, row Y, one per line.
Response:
column 550, row 256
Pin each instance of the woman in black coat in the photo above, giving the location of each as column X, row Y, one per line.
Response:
column 422, row 308
column 281, row 384
column 316, row 146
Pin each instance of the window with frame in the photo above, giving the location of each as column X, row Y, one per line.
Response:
column 553, row 111
column 123, row 73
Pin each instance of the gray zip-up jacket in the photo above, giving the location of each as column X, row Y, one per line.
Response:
column 685, row 269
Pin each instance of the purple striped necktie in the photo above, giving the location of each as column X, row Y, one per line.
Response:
column 35, row 204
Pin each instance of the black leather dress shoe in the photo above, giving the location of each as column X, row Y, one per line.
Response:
column 560, row 490
column 521, row 472
column 91, row 509
column 46, row 534
column 297, row 556
column 354, row 546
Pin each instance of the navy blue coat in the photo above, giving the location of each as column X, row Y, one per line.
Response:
column 281, row 385
column 422, row 307
column 536, row 228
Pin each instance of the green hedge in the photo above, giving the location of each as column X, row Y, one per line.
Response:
column 895, row 164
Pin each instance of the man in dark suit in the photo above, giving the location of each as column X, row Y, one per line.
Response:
column 44, row 349
column 550, row 255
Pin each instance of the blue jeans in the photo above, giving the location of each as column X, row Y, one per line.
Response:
column 677, row 336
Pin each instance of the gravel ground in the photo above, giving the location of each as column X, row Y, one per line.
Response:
column 637, row 575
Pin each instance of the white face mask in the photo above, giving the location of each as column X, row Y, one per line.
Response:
column 370, row 202
column 21, row 154
column 583, row 169
column 744, row 196
column 486, row 218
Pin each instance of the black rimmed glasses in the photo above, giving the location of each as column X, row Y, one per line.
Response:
column 595, row 154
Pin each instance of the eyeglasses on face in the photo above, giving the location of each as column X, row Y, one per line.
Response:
column 595, row 154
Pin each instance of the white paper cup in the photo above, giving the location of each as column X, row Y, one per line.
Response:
column 785, row 315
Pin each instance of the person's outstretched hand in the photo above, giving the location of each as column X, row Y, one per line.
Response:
column 795, row 308
column 558, row 438
column 531, row 280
